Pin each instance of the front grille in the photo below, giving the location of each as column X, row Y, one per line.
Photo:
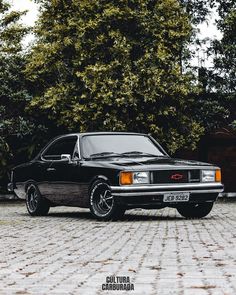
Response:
column 175, row 176
column 194, row 176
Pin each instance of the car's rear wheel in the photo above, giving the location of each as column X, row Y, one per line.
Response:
column 102, row 204
column 35, row 203
column 198, row 210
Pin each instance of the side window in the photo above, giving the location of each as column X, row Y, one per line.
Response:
column 61, row 146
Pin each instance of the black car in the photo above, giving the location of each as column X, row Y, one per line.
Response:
column 110, row 172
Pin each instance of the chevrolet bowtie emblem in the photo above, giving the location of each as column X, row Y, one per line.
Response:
column 177, row 176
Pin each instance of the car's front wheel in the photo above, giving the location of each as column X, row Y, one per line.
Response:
column 195, row 210
column 35, row 203
column 102, row 204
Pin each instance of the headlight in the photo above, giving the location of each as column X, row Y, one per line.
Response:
column 134, row 178
column 141, row 177
column 211, row 175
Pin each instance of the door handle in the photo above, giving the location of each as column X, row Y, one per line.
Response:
column 51, row 169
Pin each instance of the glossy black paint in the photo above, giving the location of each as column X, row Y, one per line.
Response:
column 68, row 183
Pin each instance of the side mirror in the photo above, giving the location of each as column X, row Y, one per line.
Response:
column 66, row 158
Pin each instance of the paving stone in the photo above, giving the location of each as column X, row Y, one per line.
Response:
column 69, row 252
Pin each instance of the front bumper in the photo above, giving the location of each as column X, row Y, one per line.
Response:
column 10, row 187
column 153, row 194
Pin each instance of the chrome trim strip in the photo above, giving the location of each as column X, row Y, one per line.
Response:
column 125, row 194
column 170, row 167
column 167, row 186
column 78, row 146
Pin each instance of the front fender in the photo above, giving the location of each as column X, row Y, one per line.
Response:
column 99, row 177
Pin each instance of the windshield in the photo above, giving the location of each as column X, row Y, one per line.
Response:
column 115, row 145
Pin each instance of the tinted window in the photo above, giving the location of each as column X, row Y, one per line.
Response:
column 92, row 144
column 62, row 146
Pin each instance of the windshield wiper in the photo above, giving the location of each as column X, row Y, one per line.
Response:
column 104, row 155
column 140, row 153
column 125, row 154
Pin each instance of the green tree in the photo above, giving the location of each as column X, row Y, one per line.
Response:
column 197, row 10
column 215, row 102
column 114, row 65
column 224, row 76
column 225, row 49
column 13, row 93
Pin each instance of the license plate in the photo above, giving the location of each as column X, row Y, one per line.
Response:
column 176, row 197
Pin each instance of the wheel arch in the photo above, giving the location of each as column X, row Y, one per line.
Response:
column 96, row 178
column 29, row 182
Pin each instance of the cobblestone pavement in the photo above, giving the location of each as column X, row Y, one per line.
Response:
column 69, row 252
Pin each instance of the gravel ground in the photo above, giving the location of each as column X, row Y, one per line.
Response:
column 153, row 251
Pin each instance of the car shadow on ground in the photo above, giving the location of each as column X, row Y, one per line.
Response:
column 127, row 217
column 136, row 216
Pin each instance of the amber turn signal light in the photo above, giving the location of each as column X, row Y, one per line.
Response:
column 126, row 178
column 218, row 175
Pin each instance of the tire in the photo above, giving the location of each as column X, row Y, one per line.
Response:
column 35, row 203
column 195, row 210
column 102, row 204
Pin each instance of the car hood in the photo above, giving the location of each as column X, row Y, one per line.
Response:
column 149, row 163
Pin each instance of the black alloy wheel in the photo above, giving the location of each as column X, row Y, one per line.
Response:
column 193, row 210
column 102, row 204
column 35, row 203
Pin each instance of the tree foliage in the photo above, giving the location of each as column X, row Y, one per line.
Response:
column 197, row 10
column 215, row 102
column 225, row 50
column 13, row 90
column 114, row 65
column 224, row 78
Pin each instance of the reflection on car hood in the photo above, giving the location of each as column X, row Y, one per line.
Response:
column 148, row 163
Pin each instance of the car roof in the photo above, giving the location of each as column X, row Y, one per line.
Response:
column 101, row 133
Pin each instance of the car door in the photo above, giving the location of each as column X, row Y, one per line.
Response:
column 61, row 177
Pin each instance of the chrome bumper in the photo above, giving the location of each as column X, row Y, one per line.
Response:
column 10, row 187
column 154, row 190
